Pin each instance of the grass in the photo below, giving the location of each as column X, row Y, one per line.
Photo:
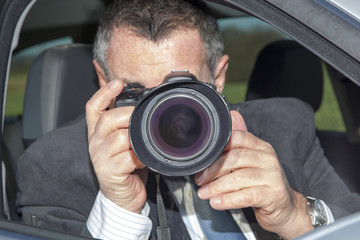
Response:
column 14, row 104
column 15, row 93
column 235, row 92
column 329, row 116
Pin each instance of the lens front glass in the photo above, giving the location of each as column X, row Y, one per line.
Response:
column 180, row 127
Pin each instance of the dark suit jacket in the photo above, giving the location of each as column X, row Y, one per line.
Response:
column 57, row 183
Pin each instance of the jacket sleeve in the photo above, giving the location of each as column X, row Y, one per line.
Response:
column 324, row 183
column 56, row 182
column 321, row 178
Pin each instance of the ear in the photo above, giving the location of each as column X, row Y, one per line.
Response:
column 220, row 73
column 100, row 72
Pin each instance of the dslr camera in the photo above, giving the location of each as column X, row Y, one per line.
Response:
column 178, row 128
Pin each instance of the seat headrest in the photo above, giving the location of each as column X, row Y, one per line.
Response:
column 286, row 69
column 60, row 82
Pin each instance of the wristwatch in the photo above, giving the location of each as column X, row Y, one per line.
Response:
column 317, row 211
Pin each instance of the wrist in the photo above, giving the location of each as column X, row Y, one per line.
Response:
column 128, row 203
column 299, row 222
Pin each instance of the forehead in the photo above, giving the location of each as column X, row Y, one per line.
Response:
column 138, row 59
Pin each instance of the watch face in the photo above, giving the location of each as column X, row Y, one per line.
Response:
column 320, row 209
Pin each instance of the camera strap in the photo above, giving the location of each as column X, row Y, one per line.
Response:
column 163, row 230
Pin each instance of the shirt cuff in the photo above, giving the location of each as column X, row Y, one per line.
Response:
column 109, row 221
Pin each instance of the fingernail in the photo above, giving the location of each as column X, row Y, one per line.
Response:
column 202, row 192
column 115, row 84
column 215, row 201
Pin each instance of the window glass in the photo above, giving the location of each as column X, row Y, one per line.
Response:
column 244, row 37
column 20, row 66
column 328, row 117
column 49, row 23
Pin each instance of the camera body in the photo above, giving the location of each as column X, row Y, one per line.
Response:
column 178, row 128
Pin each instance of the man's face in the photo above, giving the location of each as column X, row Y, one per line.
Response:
column 135, row 59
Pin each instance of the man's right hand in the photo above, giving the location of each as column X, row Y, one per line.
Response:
column 120, row 173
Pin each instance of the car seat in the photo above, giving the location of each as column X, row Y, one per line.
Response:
column 286, row 69
column 60, row 82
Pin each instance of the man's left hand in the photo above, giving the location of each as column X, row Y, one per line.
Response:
column 248, row 174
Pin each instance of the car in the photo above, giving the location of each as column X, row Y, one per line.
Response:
column 317, row 39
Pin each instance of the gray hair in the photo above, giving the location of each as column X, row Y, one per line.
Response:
column 155, row 20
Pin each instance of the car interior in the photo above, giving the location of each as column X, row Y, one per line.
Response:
column 62, row 78
column 286, row 69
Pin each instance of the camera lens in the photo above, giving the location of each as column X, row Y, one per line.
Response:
column 180, row 127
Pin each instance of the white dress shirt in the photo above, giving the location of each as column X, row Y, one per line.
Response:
column 108, row 221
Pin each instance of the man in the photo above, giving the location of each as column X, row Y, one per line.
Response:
column 141, row 42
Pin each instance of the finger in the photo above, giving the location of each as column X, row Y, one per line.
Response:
column 117, row 167
column 238, row 122
column 97, row 105
column 119, row 180
column 234, row 181
column 233, row 160
column 245, row 139
column 115, row 143
column 112, row 120
column 126, row 162
column 249, row 197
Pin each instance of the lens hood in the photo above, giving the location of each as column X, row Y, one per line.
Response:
column 180, row 127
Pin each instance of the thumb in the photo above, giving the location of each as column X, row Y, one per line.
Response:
column 98, row 103
column 237, row 120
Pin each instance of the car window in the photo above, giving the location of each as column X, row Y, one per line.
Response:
column 20, row 66
column 329, row 116
column 52, row 19
column 244, row 38
column 49, row 23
